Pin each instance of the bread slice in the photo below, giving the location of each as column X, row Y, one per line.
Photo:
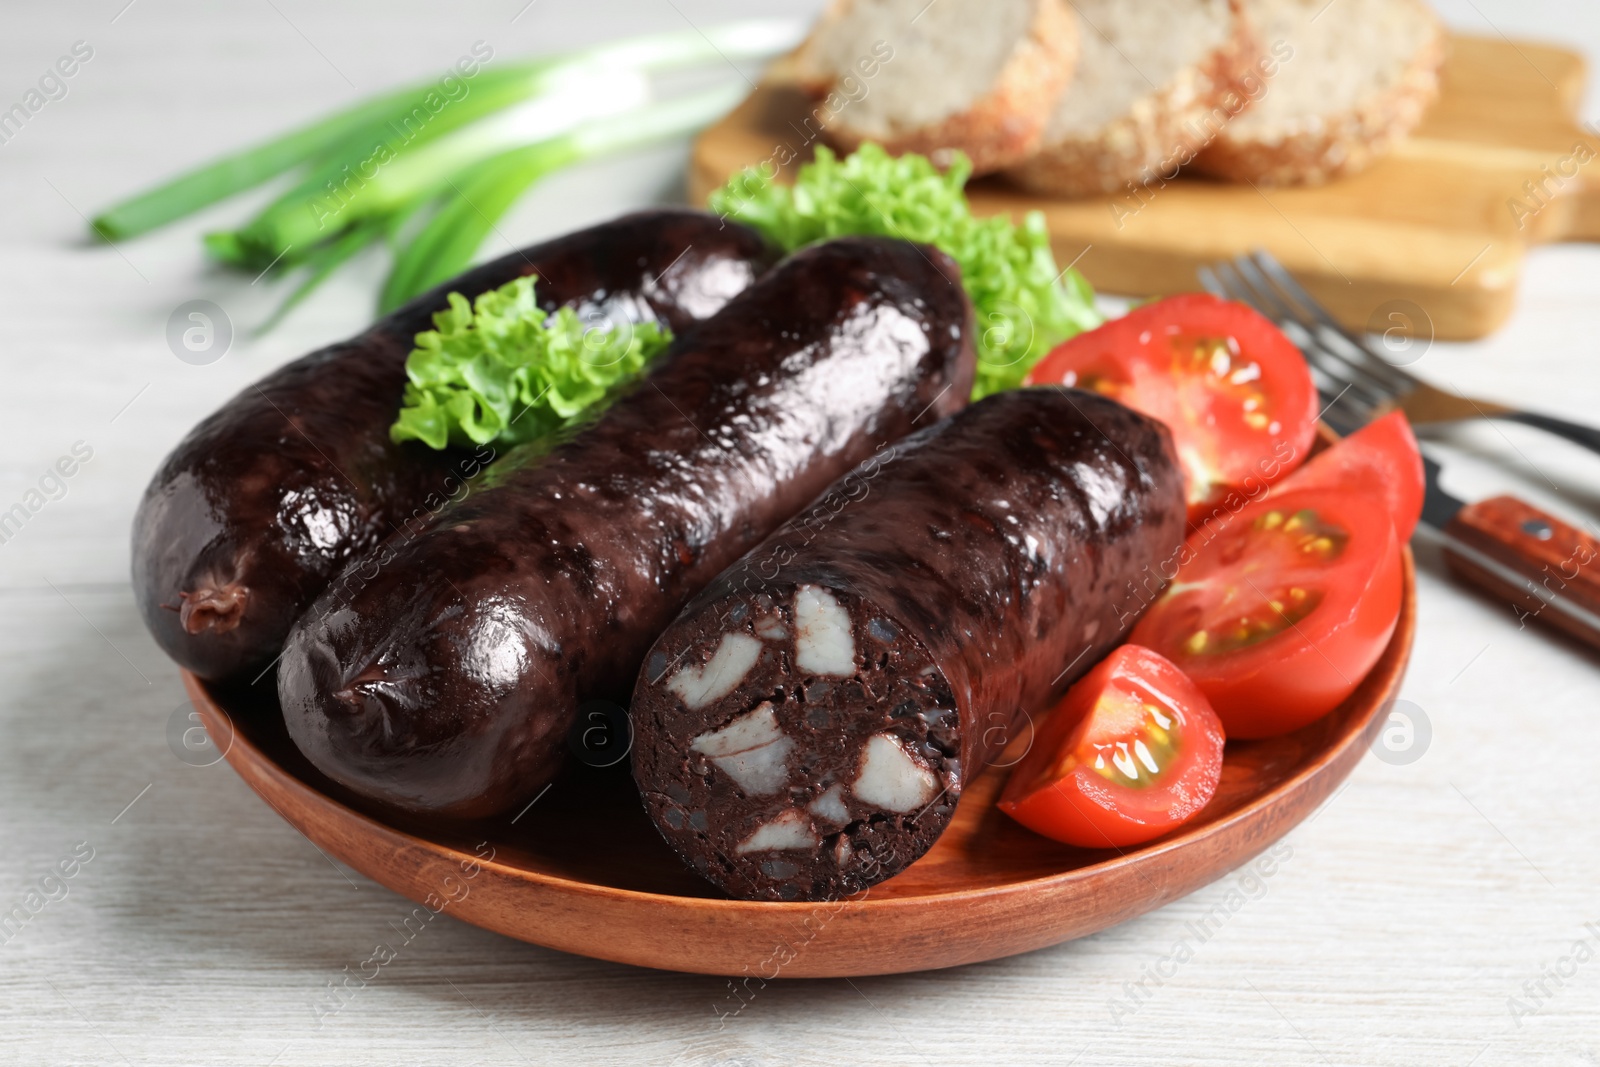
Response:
column 1155, row 82
column 1353, row 78
column 981, row 76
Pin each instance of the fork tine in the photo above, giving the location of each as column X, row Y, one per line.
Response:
column 1347, row 405
column 1333, row 377
column 1233, row 287
column 1395, row 379
column 1210, row 283
column 1330, row 349
column 1260, row 296
column 1282, row 309
column 1269, row 266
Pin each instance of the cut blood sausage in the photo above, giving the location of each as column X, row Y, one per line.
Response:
column 806, row 726
column 447, row 682
column 267, row 499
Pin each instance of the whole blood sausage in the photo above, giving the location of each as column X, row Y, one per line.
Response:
column 268, row 498
column 806, row 726
column 448, row 678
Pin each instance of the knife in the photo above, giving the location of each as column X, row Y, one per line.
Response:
column 1546, row 569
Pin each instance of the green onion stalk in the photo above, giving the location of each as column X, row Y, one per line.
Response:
column 374, row 173
column 486, row 189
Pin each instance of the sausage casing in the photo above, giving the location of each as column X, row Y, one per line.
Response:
column 448, row 682
column 267, row 499
column 806, row 726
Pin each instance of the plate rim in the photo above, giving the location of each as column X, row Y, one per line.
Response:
column 248, row 760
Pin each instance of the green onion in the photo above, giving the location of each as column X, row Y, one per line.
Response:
column 477, row 200
column 378, row 171
column 1025, row 305
column 324, row 262
column 358, row 175
column 289, row 229
column 184, row 195
column 188, row 193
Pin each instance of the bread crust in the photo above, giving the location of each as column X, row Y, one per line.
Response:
column 1341, row 144
column 1000, row 128
column 1162, row 130
column 802, row 66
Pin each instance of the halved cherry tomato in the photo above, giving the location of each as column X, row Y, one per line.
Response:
column 1279, row 611
column 1130, row 752
column 1234, row 391
column 1380, row 459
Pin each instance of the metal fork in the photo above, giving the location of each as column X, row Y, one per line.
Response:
column 1356, row 382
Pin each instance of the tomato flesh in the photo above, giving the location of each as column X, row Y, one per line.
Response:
column 1279, row 611
column 1130, row 752
column 1232, row 389
column 1381, row 459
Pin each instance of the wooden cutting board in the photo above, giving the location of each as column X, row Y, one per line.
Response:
column 1443, row 223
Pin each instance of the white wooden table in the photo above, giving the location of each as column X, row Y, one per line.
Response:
column 1415, row 914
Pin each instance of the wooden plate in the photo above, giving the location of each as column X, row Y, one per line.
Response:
column 583, row 870
column 1434, row 235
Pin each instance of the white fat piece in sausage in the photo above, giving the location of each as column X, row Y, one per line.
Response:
column 751, row 750
column 700, row 686
column 892, row 778
column 824, row 644
column 831, row 806
column 790, row 830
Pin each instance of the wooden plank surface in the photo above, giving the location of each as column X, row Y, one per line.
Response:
column 1396, row 929
column 1443, row 223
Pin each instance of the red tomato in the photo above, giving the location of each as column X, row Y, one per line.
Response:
column 1279, row 611
column 1381, row 459
column 1130, row 752
column 1234, row 391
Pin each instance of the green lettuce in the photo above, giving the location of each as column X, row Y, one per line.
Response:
column 502, row 370
column 1025, row 303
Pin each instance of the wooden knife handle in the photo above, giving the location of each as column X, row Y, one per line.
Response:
column 1546, row 554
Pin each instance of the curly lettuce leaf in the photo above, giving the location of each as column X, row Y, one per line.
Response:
column 501, row 370
column 1025, row 305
